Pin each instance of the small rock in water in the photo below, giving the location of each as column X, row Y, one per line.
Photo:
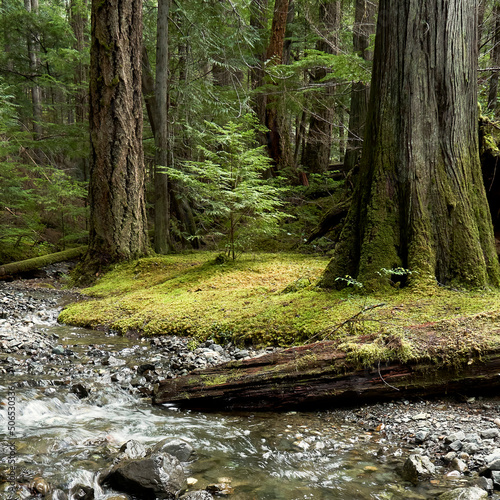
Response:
column 133, row 449
column 197, row 495
column 459, row 465
column 178, row 448
column 80, row 390
column 221, row 489
column 417, row 467
column 472, row 493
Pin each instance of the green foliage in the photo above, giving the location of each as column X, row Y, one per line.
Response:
column 227, row 187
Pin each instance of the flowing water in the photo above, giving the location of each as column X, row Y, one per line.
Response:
column 289, row 456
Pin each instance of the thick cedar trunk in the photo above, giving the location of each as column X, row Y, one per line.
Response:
column 276, row 140
column 420, row 202
column 319, row 376
column 118, row 216
column 316, row 155
column 364, row 26
column 162, row 242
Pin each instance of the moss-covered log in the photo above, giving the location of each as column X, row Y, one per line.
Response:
column 39, row 262
column 318, row 376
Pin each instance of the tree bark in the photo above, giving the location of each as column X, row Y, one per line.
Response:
column 162, row 240
column 494, row 58
column 319, row 376
column 117, row 216
column 316, row 155
column 34, row 61
column 258, row 20
column 277, row 141
column 79, row 21
column 364, row 27
column 420, row 201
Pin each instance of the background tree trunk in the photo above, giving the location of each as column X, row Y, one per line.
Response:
column 494, row 57
column 34, row 59
column 364, row 27
column 276, row 140
column 118, row 216
column 162, row 241
column 420, row 201
column 316, row 156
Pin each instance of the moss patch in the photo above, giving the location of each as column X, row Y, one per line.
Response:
column 243, row 302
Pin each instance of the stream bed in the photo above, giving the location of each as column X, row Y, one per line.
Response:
column 70, row 398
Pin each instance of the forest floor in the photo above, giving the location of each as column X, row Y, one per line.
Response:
column 272, row 299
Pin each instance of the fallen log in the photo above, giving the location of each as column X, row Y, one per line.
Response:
column 39, row 262
column 318, row 376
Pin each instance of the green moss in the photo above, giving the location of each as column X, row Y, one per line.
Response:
column 189, row 295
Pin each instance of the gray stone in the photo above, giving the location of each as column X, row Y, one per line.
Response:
column 133, row 449
column 485, row 483
column 459, row 465
column 58, row 349
column 421, row 436
column 417, row 467
column 454, row 436
column 197, row 495
column 472, row 493
column 494, row 455
column 180, row 449
column 495, row 477
column 495, row 465
column 470, row 448
column 159, row 476
column 490, row 433
column 456, row 445
column 449, row 456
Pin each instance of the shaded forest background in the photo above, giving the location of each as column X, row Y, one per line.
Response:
column 288, row 79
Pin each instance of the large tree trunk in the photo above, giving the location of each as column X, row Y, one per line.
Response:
column 420, row 201
column 316, row 155
column 162, row 242
column 364, row 26
column 118, row 216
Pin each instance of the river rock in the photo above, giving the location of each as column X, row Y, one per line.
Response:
column 472, row 493
column 57, row 495
column 158, row 476
column 197, row 495
column 490, row 433
column 81, row 492
column 417, row 467
column 133, row 449
column 180, row 449
column 459, row 465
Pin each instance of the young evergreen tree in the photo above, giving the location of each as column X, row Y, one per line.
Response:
column 420, row 202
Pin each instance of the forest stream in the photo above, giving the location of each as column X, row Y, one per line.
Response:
column 79, row 395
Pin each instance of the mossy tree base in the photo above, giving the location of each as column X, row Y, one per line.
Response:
column 420, row 201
